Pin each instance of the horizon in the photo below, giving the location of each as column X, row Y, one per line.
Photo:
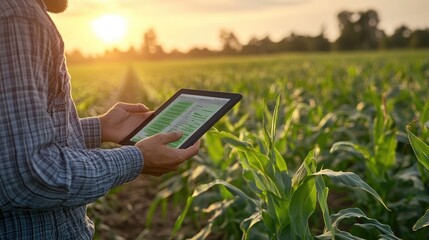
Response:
column 188, row 24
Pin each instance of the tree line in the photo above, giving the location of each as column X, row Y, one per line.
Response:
column 358, row 31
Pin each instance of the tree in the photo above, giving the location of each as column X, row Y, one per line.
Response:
column 252, row 47
column 347, row 39
column 359, row 30
column 400, row 38
column 420, row 38
column 369, row 33
column 229, row 42
column 150, row 47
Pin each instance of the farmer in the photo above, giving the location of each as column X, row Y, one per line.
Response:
column 50, row 162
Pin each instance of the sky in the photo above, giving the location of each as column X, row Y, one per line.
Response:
column 184, row 24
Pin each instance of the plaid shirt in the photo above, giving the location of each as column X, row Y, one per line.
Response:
column 50, row 162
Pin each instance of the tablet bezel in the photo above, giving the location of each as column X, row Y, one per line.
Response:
column 234, row 98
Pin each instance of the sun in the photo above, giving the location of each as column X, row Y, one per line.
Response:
column 110, row 28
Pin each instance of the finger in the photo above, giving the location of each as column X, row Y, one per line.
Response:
column 166, row 138
column 190, row 151
column 145, row 114
column 132, row 107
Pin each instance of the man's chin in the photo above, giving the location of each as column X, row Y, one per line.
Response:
column 56, row 6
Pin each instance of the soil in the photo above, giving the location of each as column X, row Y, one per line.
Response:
column 122, row 214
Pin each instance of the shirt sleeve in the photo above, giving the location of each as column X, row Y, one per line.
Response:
column 91, row 131
column 35, row 171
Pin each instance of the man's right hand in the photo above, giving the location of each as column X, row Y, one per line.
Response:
column 159, row 158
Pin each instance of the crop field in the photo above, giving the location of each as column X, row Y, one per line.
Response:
column 322, row 146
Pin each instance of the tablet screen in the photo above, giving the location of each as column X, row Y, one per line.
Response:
column 187, row 113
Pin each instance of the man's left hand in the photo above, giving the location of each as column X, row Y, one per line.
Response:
column 121, row 119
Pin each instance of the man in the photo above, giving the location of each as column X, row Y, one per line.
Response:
column 50, row 162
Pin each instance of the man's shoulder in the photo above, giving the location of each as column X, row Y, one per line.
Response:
column 21, row 8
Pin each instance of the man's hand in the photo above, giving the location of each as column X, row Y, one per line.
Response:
column 121, row 119
column 159, row 158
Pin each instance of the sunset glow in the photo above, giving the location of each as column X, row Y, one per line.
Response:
column 110, row 29
column 182, row 25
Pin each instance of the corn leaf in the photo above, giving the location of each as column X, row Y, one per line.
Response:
column 322, row 197
column 380, row 118
column 280, row 161
column 181, row 218
column 268, row 222
column 385, row 152
column 266, row 177
column 420, row 148
column 278, row 208
column 422, row 222
column 247, row 224
column 340, row 234
column 263, row 179
column 302, row 206
column 203, row 188
column 302, row 171
column 274, row 120
column 370, row 223
column 350, row 179
column 351, row 148
column 216, row 150
column 384, row 229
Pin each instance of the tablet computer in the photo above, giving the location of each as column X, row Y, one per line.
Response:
column 190, row 111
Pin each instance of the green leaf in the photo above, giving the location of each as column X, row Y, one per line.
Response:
column 340, row 234
column 203, row 188
column 302, row 172
column 216, row 150
column 302, row 206
column 346, row 236
column 322, row 197
column 215, row 209
column 247, row 224
column 151, row 212
column 243, row 119
column 278, row 208
column 385, row 151
column 351, row 148
column 268, row 222
column 274, row 120
column 234, row 190
column 344, row 214
column 350, row 179
column 266, row 177
column 280, row 161
column 181, row 218
column 422, row 222
column 420, row 148
column 384, row 229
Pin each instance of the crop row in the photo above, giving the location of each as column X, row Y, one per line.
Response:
column 309, row 126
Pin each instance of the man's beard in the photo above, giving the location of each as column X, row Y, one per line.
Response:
column 56, row 6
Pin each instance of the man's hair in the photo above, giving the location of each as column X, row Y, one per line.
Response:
column 56, row 6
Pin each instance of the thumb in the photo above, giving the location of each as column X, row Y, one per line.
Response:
column 166, row 138
column 130, row 107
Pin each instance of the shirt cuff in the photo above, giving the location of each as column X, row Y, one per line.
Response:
column 91, row 131
column 128, row 163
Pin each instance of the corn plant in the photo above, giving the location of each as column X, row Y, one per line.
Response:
column 397, row 180
column 380, row 155
column 421, row 150
column 281, row 203
column 211, row 163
